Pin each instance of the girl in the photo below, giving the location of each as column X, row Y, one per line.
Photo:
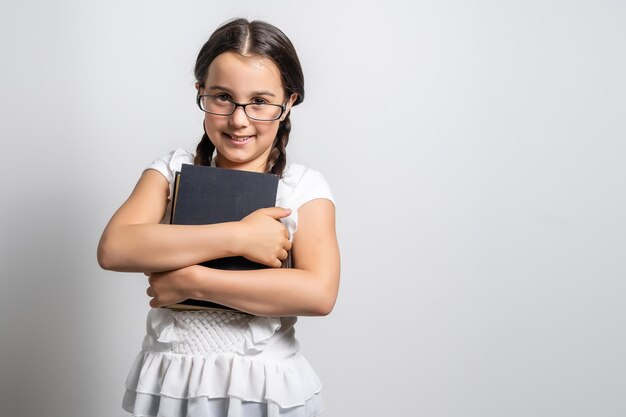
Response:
column 222, row 363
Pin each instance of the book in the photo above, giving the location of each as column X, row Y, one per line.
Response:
column 208, row 195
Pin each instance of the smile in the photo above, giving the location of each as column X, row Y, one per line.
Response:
column 239, row 139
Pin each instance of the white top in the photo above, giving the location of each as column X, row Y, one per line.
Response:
column 224, row 363
column 297, row 186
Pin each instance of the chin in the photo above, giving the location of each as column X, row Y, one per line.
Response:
column 237, row 161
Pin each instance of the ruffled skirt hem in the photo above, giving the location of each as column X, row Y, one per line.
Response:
column 150, row 405
column 162, row 384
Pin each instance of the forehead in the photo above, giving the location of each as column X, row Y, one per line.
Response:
column 243, row 74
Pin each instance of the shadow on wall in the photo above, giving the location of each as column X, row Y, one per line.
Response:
column 46, row 354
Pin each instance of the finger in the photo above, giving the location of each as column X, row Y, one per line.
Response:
column 277, row 212
column 287, row 245
column 146, row 274
column 150, row 292
column 277, row 263
column 283, row 255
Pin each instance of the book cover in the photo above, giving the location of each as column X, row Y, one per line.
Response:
column 208, row 195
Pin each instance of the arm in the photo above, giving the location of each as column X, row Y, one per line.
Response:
column 134, row 241
column 310, row 288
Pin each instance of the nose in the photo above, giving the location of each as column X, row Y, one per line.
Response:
column 239, row 118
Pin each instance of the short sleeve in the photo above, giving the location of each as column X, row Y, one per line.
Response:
column 312, row 186
column 298, row 186
column 170, row 163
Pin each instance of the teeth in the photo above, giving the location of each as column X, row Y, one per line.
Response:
column 241, row 139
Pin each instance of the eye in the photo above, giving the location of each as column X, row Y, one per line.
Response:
column 258, row 100
column 222, row 97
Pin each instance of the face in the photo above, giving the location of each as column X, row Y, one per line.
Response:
column 242, row 143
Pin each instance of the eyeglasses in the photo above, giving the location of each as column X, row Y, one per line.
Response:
column 221, row 105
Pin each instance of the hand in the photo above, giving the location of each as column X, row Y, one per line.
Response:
column 265, row 239
column 171, row 287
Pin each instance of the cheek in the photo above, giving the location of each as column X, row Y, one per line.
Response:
column 212, row 122
column 268, row 130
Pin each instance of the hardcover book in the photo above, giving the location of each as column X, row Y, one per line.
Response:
column 208, row 195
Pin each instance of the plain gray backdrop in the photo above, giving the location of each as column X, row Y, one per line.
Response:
column 476, row 151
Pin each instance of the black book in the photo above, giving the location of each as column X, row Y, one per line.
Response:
column 208, row 195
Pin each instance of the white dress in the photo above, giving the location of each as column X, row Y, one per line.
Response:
column 221, row 363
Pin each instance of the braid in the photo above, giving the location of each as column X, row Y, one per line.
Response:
column 277, row 159
column 204, row 151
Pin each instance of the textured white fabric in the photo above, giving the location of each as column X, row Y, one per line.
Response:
column 221, row 363
column 205, row 333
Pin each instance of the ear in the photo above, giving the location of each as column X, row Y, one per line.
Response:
column 197, row 87
column 292, row 99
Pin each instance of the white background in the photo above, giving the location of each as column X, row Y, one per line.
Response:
column 476, row 151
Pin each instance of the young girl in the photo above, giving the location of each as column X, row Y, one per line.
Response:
column 222, row 363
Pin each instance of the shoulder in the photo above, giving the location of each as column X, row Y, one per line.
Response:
column 300, row 184
column 171, row 162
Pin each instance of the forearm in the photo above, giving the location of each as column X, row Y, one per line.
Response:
column 163, row 247
column 271, row 291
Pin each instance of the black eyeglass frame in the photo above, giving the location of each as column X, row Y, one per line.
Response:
column 282, row 107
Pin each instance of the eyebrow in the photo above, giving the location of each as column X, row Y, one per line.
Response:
column 253, row 93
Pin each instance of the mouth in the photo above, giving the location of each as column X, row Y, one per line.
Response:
column 239, row 140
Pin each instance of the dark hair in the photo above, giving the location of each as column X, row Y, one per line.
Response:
column 254, row 38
